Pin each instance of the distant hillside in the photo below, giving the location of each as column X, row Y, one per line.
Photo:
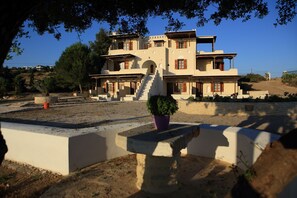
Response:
column 274, row 87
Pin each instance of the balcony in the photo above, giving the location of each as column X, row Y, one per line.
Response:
column 126, row 71
column 216, row 72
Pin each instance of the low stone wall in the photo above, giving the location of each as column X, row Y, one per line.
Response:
column 258, row 94
column 238, row 108
column 62, row 150
column 227, row 143
column 43, row 99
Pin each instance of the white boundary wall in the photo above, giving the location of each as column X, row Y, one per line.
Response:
column 62, row 150
column 227, row 143
column 66, row 150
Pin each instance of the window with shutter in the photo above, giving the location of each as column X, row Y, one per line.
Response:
column 130, row 45
column 181, row 64
column 217, row 87
column 169, row 43
column 222, row 86
column 126, row 64
column 184, row 87
column 181, row 44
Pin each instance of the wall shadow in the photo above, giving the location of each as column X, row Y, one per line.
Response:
column 198, row 177
column 192, row 172
column 207, row 143
column 85, row 150
column 70, row 125
column 250, row 143
column 270, row 123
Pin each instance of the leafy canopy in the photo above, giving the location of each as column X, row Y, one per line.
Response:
column 74, row 64
column 125, row 15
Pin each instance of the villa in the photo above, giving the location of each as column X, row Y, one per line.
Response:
column 137, row 67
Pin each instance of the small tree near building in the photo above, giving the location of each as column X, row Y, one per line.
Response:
column 74, row 64
column 99, row 47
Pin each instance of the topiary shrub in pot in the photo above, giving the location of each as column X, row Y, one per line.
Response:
column 161, row 107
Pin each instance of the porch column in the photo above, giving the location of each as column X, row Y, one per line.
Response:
column 212, row 46
column 232, row 62
column 214, row 62
column 190, row 86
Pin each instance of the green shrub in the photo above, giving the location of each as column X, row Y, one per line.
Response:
column 19, row 85
column 252, row 78
column 3, row 87
column 290, row 79
column 162, row 105
column 191, row 98
column 218, row 98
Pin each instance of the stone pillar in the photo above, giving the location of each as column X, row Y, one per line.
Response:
column 156, row 174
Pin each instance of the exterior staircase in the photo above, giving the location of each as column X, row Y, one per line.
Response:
column 142, row 93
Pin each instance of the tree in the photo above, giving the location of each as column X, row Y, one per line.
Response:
column 74, row 64
column 99, row 47
column 3, row 87
column 19, row 85
column 49, row 15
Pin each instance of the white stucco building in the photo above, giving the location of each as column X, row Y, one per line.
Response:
column 169, row 64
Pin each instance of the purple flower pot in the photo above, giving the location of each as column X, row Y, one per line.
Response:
column 161, row 122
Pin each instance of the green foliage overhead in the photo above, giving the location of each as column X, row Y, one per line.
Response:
column 74, row 64
column 128, row 16
column 162, row 105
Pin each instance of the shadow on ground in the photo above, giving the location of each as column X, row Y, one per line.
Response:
column 199, row 177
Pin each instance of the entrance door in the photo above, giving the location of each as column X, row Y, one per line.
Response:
column 199, row 89
column 132, row 87
column 169, row 88
column 152, row 69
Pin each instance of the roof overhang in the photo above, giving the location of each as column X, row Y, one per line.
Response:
column 116, row 76
column 215, row 78
column 118, row 56
column 181, row 34
column 167, row 77
column 206, row 39
column 183, row 77
column 123, row 36
column 213, row 55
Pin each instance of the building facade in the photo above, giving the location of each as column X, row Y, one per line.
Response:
column 171, row 64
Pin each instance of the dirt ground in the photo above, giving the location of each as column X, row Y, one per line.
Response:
column 274, row 87
column 87, row 114
column 200, row 177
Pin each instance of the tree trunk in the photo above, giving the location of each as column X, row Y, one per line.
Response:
column 80, row 88
column 3, row 147
column 274, row 169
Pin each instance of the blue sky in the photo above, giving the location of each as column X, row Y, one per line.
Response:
column 260, row 46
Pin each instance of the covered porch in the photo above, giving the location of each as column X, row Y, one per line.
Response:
column 185, row 86
column 115, row 86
